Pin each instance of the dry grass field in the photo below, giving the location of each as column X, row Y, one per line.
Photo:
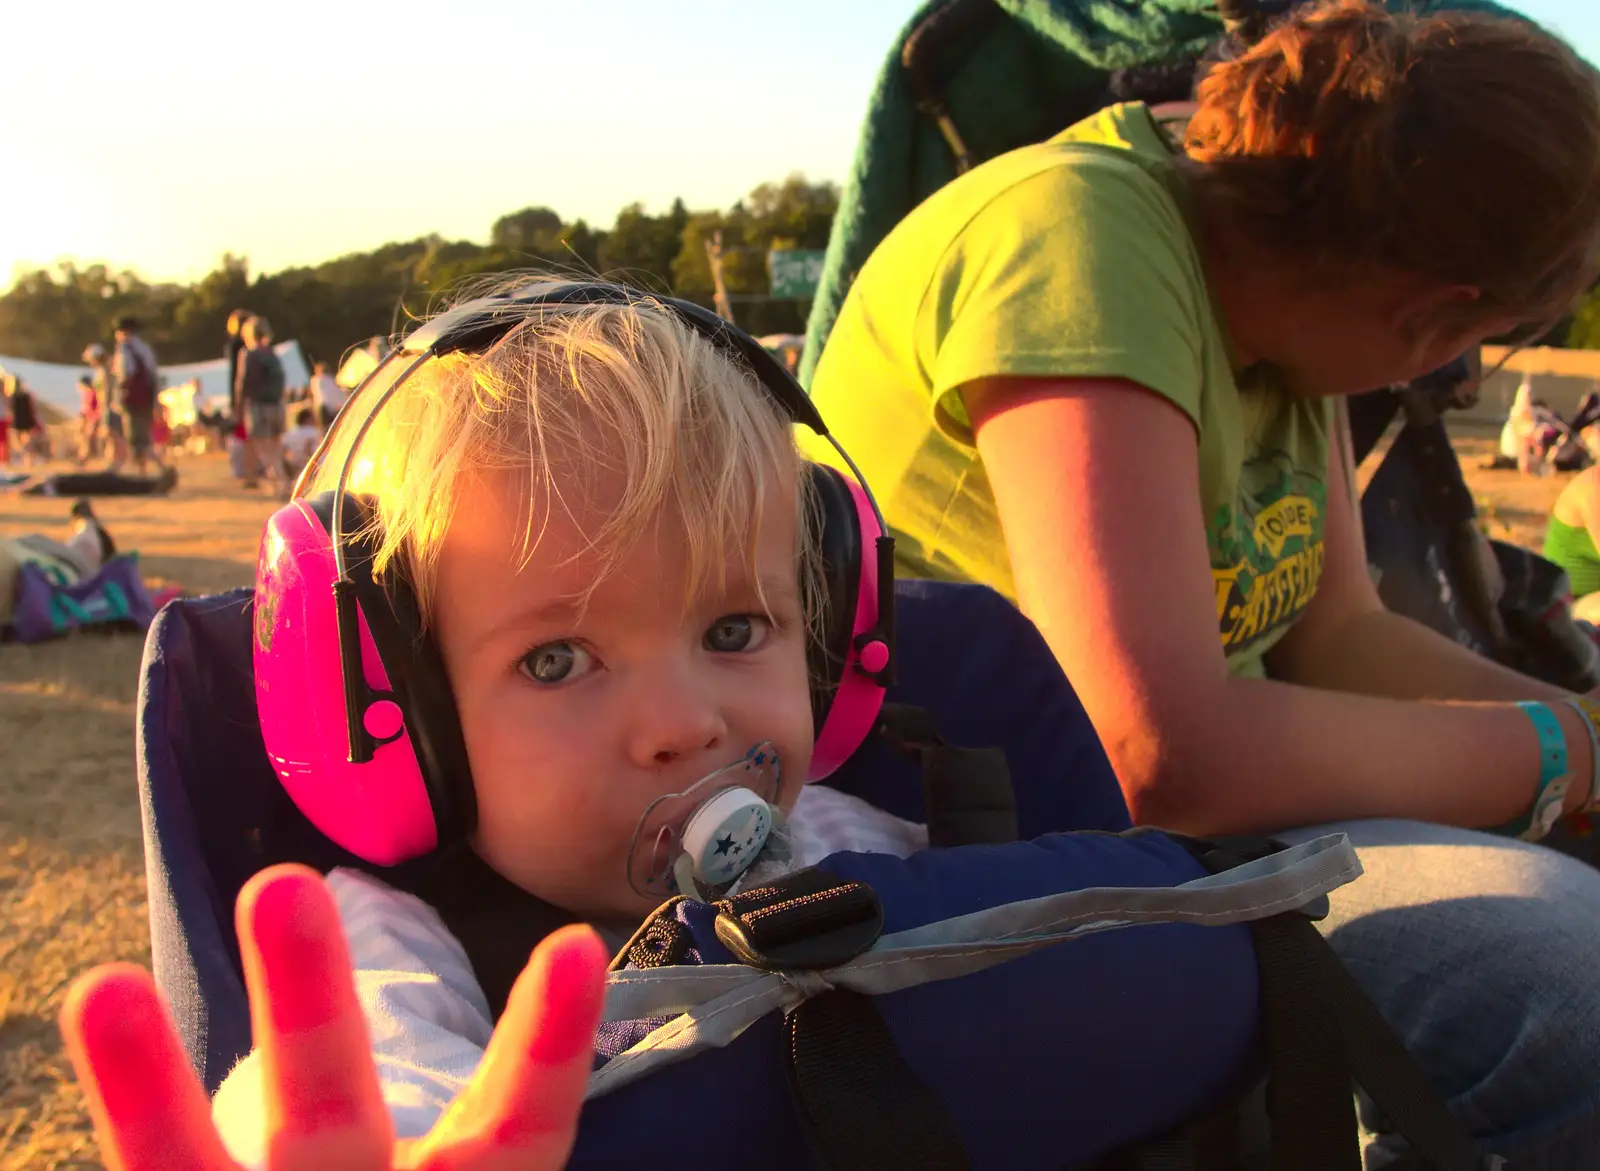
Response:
column 71, row 871
column 71, row 865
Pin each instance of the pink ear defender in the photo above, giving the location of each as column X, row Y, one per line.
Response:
column 355, row 706
column 378, row 807
column 867, row 671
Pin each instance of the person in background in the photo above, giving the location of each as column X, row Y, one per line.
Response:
column 112, row 427
column 299, row 443
column 160, row 432
column 88, row 539
column 79, row 556
column 234, row 346
column 1570, row 541
column 88, row 420
column 134, row 385
column 244, row 466
column 238, row 449
column 1516, row 436
column 327, row 396
column 1101, row 375
column 28, row 439
column 258, row 399
column 5, row 420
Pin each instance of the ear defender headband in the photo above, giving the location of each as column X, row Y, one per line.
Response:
column 356, row 710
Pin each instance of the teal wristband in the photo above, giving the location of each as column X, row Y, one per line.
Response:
column 1551, row 795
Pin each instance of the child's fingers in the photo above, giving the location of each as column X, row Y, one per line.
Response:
column 150, row 1111
column 522, row 1107
column 324, row 1108
column 542, row 1052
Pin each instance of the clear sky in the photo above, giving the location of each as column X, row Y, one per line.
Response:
column 158, row 137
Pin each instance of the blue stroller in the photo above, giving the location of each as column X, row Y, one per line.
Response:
column 1236, row 1001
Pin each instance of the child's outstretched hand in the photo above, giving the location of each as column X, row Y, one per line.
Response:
column 324, row 1111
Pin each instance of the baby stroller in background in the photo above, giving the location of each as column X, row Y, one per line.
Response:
column 1536, row 439
column 1432, row 561
column 1586, row 416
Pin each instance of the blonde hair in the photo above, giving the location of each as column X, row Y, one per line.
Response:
column 569, row 394
column 1459, row 146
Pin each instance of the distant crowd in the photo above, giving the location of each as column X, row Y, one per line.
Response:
column 123, row 422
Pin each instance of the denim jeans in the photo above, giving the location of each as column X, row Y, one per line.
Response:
column 1484, row 954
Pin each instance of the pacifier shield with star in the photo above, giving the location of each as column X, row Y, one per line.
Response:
column 713, row 830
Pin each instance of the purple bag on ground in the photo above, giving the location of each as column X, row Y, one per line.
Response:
column 46, row 608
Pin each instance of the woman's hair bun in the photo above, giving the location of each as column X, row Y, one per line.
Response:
column 1460, row 145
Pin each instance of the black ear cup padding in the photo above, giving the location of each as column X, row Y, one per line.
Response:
column 840, row 542
column 416, row 671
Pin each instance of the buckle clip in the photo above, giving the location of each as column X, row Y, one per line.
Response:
column 806, row 921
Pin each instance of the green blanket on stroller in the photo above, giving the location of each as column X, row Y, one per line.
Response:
column 1004, row 73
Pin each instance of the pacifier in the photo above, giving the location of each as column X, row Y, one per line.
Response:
column 708, row 834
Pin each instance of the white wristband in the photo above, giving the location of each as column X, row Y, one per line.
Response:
column 1593, row 799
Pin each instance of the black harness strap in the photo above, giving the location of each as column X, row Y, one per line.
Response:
column 1212, row 1143
column 1311, row 981
column 1324, row 1036
column 497, row 922
column 1309, row 1095
column 861, row 1106
column 966, row 792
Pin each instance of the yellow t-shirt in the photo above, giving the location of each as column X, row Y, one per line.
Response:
column 1072, row 258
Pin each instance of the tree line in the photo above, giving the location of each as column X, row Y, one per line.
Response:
column 50, row 314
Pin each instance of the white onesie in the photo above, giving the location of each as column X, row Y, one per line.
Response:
column 429, row 1020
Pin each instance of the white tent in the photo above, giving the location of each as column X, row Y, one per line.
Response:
column 57, row 385
column 54, row 385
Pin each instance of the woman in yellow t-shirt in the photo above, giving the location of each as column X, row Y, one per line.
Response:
column 1097, row 374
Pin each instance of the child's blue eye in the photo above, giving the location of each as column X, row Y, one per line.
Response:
column 556, row 662
column 737, row 632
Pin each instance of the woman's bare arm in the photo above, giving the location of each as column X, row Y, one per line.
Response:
column 1347, row 641
column 1109, row 556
